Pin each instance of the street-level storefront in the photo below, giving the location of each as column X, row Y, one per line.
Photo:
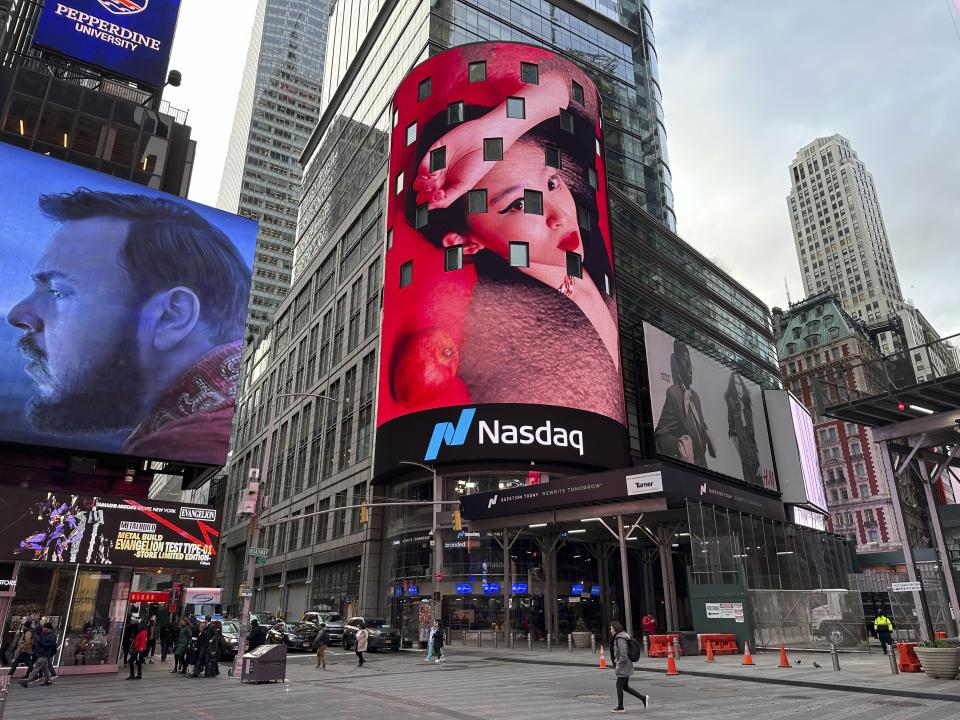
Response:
column 83, row 564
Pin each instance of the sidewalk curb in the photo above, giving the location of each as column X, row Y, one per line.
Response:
column 920, row 695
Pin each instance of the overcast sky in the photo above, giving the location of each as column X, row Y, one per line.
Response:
column 745, row 85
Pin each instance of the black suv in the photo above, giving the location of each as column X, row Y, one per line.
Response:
column 333, row 621
column 296, row 636
column 382, row 635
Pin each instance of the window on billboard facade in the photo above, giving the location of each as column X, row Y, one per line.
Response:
column 492, row 149
column 552, row 156
column 583, row 217
column 592, row 177
column 477, row 71
column 574, row 265
column 455, row 113
column 406, row 273
column 421, row 217
column 477, row 201
column 423, row 89
column 519, row 254
column 566, row 121
column 533, row 202
column 395, row 118
column 529, row 73
column 517, row 109
column 453, row 258
column 577, row 92
column 398, row 184
column 438, row 159
column 411, row 136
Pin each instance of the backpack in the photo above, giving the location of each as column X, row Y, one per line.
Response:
column 634, row 649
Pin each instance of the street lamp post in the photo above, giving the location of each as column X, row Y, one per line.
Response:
column 435, row 598
column 254, row 529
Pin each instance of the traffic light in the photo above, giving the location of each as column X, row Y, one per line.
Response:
column 457, row 521
column 364, row 514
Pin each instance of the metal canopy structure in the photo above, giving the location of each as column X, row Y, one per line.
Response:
column 939, row 395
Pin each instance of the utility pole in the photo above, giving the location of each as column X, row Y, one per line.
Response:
column 437, row 558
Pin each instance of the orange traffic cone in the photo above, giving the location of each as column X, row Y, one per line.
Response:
column 747, row 657
column 671, row 663
column 784, row 663
column 603, row 659
column 710, row 657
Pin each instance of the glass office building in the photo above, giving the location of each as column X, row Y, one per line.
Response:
column 324, row 338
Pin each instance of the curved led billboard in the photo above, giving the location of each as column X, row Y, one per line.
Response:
column 499, row 333
column 125, row 310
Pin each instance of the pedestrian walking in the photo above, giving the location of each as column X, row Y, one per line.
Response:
column 648, row 625
column 363, row 635
column 202, row 639
column 320, row 643
column 24, row 647
column 433, row 631
column 151, row 639
column 438, row 639
column 168, row 638
column 182, row 645
column 138, row 649
column 883, row 626
column 257, row 636
column 214, row 649
column 129, row 632
column 45, row 649
column 623, row 653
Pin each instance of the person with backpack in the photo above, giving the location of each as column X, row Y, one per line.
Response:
column 624, row 651
column 45, row 649
column 23, row 652
column 320, row 643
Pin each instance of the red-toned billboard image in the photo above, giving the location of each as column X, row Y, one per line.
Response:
column 500, row 333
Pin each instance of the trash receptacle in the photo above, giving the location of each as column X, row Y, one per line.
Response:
column 264, row 664
column 688, row 643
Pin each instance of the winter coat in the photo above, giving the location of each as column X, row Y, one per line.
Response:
column 438, row 639
column 621, row 655
column 183, row 640
column 140, row 641
column 27, row 642
column 322, row 639
column 362, row 638
column 256, row 638
column 46, row 644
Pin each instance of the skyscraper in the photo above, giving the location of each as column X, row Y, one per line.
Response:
column 277, row 109
column 838, row 229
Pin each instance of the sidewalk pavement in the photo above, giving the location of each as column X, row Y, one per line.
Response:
column 859, row 672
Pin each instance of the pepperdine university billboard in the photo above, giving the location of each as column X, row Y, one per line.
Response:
column 125, row 311
column 499, row 333
column 44, row 526
column 129, row 38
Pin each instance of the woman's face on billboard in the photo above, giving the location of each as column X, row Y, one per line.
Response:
column 550, row 235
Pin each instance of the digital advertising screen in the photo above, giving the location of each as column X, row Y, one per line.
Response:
column 59, row 527
column 125, row 312
column 705, row 413
column 499, row 333
column 129, row 38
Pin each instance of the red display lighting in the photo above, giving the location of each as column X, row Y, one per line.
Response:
column 150, row 597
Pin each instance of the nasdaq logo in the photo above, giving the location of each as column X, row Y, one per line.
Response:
column 446, row 433
column 124, row 7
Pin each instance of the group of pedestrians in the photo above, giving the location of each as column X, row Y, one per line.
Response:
column 196, row 646
column 35, row 648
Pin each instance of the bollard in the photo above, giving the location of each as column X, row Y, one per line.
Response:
column 479, row 638
column 570, row 642
column 676, row 646
column 646, row 645
column 894, row 670
column 529, row 642
column 835, row 656
column 512, row 646
column 593, row 644
column 495, row 641
column 549, row 644
column 464, row 638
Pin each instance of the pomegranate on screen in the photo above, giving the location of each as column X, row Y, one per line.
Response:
column 425, row 364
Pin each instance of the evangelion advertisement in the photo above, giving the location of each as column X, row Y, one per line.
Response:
column 60, row 527
column 500, row 333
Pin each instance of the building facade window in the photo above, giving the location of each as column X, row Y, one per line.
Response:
column 519, row 254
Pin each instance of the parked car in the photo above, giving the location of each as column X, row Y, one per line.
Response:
column 231, row 638
column 333, row 621
column 296, row 636
column 383, row 636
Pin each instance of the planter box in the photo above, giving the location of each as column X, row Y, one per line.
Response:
column 581, row 639
column 939, row 662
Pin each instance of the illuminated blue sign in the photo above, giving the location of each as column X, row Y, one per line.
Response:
column 595, row 590
column 129, row 38
column 465, row 588
column 412, row 589
column 576, row 589
column 491, row 588
column 519, row 588
column 398, row 591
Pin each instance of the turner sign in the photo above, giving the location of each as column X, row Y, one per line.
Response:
column 125, row 37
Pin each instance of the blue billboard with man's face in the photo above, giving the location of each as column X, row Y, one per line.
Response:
column 125, row 312
column 129, row 38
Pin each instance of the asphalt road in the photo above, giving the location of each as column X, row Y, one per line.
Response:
column 468, row 686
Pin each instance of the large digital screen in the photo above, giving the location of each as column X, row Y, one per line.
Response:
column 706, row 414
column 795, row 450
column 125, row 311
column 500, row 333
column 59, row 527
column 129, row 38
